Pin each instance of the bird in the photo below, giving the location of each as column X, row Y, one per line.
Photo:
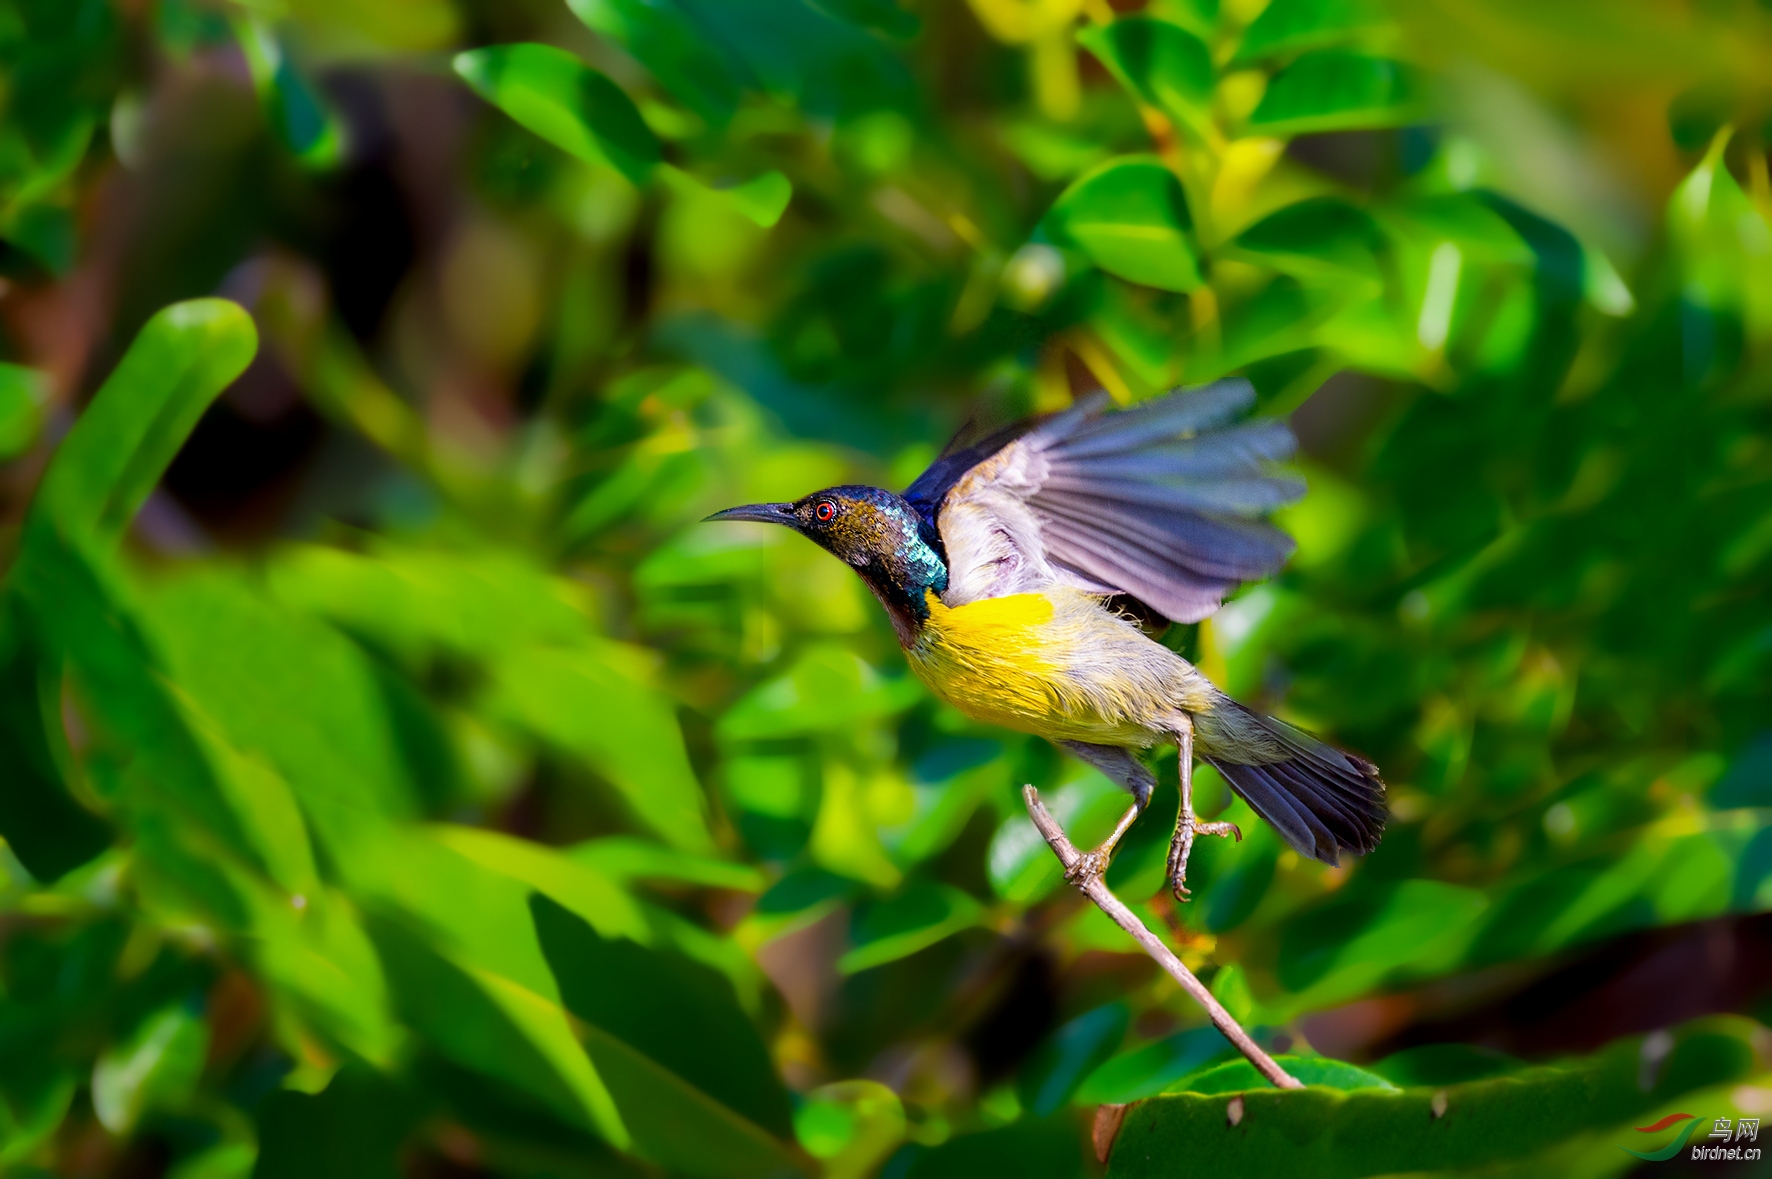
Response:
column 1016, row 571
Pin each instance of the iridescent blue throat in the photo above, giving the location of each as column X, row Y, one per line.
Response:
column 901, row 560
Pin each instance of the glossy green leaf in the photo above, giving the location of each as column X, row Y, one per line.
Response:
column 565, row 102
column 1322, row 239
column 1237, row 1076
column 1130, row 218
column 624, row 858
column 490, row 1023
column 593, row 702
column 1287, row 26
column 1335, row 90
column 914, row 920
column 664, row 39
column 181, row 359
column 1161, row 63
column 687, row 1069
column 1384, row 1130
column 1152, row 1068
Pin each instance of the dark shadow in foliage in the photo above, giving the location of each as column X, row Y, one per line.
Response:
column 48, row 831
column 1029, row 1149
column 517, row 1135
column 352, row 1129
column 681, row 1014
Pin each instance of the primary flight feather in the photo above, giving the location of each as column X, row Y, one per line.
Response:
column 1005, row 568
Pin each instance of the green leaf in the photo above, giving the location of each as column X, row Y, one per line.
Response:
column 1287, row 26
column 567, row 881
column 593, row 702
column 419, row 603
column 850, row 1126
column 1335, row 90
column 157, row 1066
column 22, row 394
column 1322, row 239
column 566, row 102
column 1131, row 218
column 1058, row 1066
column 673, row 50
column 829, row 689
column 34, row 1098
column 1162, row 64
column 490, row 1023
column 1237, row 1076
column 689, row 1072
column 293, row 104
column 1344, row 949
column 624, row 858
column 1443, row 1064
column 915, row 919
column 763, row 199
column 181, row 359
column 1148, row 1070
column 1347, row 1133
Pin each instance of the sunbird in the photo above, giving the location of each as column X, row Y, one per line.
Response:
column 1014, row 570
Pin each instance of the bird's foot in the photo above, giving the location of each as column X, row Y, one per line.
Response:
column 1187, row 827
column 1089, row 867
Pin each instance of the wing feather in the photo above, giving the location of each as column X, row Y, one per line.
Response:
column 1160, row 502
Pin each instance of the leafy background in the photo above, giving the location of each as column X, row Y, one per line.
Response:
column 397, row 778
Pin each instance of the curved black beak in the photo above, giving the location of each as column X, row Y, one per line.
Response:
column 763, row 513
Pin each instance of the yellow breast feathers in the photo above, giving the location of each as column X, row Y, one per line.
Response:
column 1055, row 663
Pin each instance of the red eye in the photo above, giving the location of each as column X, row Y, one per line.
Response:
column 826, row 511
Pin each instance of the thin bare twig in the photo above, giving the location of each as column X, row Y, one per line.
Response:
column 1097, row 891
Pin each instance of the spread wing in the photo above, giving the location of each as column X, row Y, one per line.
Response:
column 1162, row 502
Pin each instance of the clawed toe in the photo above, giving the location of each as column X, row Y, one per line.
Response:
column 1186, row 829
column 1086, row 868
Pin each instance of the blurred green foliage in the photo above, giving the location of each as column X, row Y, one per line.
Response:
column 397, row 777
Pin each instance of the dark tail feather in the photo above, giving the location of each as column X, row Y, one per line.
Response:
column 1323, row 801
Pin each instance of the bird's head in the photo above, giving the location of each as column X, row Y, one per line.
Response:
column 873, row 530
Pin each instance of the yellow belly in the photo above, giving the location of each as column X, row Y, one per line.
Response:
column 1018, row 662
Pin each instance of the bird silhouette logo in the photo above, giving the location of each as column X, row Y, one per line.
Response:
column 1672, row 1148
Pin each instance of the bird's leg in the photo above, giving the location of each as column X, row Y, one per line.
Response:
column 1092, row 864
column 1187, row 825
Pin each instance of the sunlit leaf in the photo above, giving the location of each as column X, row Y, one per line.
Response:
column 1333, row 90
column 565, row 102
column 687, row 1069
column 181, row 359
column 914, row 920
column 588, row 701
column 1131, row 219
column 1286, row 26
column 1163, row 64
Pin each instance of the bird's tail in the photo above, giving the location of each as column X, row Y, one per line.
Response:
column 1322, row 800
